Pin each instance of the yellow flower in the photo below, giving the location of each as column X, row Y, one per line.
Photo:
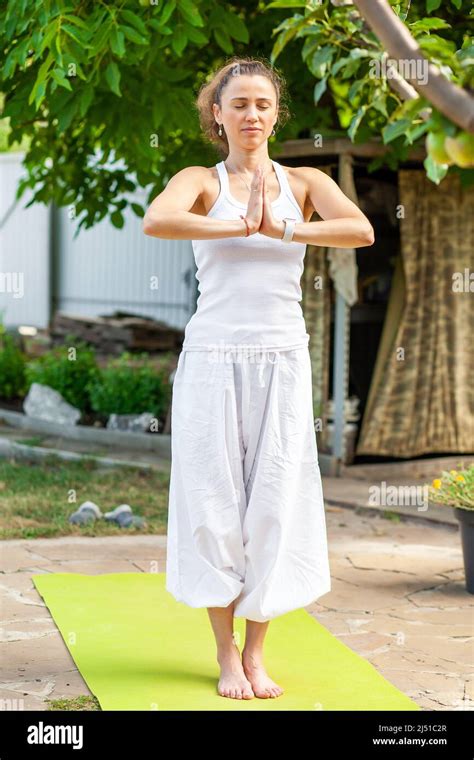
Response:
column 436, row 483
column 453, row 472
column 461, row 478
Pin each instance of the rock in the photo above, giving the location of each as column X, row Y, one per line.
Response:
column 131, row 423
column 45, row 403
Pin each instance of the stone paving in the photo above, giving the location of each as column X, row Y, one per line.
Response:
column 398, row 599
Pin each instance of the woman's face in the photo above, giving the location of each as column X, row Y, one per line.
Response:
column 247, row 101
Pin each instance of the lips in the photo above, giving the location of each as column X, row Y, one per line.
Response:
column 252, row 129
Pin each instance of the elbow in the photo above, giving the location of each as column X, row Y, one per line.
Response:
column 147, row 226
column 368, row 236
column 151, row 225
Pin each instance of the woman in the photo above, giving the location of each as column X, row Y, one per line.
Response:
column 246, row 523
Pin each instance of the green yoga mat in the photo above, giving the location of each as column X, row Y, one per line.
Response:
column 137, row 648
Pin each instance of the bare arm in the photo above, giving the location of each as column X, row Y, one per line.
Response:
column 168, row 215
column 343, row 226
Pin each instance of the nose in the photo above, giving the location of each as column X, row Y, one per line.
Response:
column 252, row 114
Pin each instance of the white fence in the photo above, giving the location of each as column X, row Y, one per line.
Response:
column 100, row 271
column 25, row 292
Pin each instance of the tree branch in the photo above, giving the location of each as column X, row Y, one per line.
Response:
column 454, row 102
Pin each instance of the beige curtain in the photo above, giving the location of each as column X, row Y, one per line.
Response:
column 421, row 398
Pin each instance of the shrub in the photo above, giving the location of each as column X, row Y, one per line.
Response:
column 122, row 388
column 12, row 367
column 67, row 375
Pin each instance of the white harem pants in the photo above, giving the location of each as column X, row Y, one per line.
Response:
column 246, row 517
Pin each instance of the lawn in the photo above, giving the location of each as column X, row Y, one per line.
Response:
column 36, row 499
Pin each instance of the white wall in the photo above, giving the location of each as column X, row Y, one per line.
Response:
column 102, row 270
column 24, row 250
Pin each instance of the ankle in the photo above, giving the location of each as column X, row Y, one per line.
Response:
column 252, row 656
column 227, row 652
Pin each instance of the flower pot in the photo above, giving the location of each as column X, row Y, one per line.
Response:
column 466, row 524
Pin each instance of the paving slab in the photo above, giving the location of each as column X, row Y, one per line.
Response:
column 398, row 599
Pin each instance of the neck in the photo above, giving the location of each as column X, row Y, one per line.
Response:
column 244, row 162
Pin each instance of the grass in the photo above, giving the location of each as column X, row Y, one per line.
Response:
column 83, row 702
column 36, row 499
column 35, row 440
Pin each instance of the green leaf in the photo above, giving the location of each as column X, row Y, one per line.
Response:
column 435, row 172
column 168, row 9
column 425, row 24
column 414, row 133
column 112, row 75
column 354, row 125
column 190, row 12
column 117, row 219
column 67, row 114
column 10, row 64
column 380, row 104
column 223, row 40
column 58, row 76
column 138, row 209
column 355, row 87
column 40, row 79
column 193, row 34
column 320, row 60
column 319, row 90
column 117, row 42
column 47, row 39
column 286, row 4
column 179, row 41
column 132, row 34
column 432, row 5
column 237, row 28
column 85, row 100
column 339, row 64
column 75, row 34
column 281, row 42
column 435, row 43
column 394, row 130
column 134, row 20
column 78, row 21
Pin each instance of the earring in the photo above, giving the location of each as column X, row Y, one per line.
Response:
column 220, row 130
column 273, row 132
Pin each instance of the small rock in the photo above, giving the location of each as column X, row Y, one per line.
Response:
column 131, row 423
column 44, row 403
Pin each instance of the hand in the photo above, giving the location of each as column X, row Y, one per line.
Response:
column 270, row 226
column 255, row 204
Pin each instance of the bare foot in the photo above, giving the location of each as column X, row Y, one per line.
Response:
column 262, row 684
column 232, row 682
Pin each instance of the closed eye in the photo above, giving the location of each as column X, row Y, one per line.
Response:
column 264, row 107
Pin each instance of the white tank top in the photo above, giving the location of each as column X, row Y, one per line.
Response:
column 249, row 287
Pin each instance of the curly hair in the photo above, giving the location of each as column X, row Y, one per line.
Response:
column 211, row 92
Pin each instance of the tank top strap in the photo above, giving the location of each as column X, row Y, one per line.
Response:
column 223, row 178
column 283, row 179
column 285, row 186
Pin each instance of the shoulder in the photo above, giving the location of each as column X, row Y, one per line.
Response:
column 310, row 174
column 190, row 177
column 317, row 183
column 191, row 172
column 307, row 176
